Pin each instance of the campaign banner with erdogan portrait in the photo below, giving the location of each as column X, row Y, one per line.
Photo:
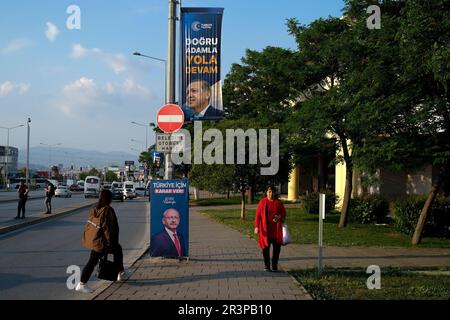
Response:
column 201, row 87
column 169, row 218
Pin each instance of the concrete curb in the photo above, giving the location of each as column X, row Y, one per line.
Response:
column 107, row 284
column 15, row 227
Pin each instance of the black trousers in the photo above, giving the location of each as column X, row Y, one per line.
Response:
column 48, row 203
column 21, row 207
column 95, row 257
column 275, row 254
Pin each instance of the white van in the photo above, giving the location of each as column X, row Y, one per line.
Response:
column 92, row 186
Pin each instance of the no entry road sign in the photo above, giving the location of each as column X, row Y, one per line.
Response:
column 170, row 118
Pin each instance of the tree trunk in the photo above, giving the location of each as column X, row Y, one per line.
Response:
column 250, row 195
column 243, row 204
column 196, row 193
column 348, row 184
column 228, row 194
column 417, row 237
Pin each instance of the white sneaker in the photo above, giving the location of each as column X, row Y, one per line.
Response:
column 122, row 276
column 83, row 288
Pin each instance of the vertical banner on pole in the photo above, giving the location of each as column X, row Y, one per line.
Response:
column 169, row 218
column 201, row 87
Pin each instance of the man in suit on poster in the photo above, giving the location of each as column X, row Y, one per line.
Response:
column 198, row 102
column 168, row 243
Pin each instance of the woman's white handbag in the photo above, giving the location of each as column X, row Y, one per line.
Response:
column 286, row 235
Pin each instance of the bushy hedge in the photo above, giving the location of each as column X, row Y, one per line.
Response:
column 311, row 201
column 368, row 209
column 406, row 214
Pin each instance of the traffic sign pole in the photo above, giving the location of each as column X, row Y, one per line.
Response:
column 170, row 119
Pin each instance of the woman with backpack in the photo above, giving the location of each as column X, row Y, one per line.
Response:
column 101, row 236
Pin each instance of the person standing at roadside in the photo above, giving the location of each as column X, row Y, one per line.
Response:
column 23, row 197
column 49, row 193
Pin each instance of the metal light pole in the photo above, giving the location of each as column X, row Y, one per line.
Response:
column 28, row 152
column 7, row 151
column 165, row 68
column 146, row 132
column 138, row 141
column 171, row 54
column 170, row 71
column 50, row 155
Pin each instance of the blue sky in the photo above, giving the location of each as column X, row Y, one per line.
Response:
column 83, row 88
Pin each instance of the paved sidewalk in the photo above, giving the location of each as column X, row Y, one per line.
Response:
column 223, row 265
column 226, row 265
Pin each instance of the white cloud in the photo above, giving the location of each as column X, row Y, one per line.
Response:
column 52, row 31
column 23, row 88
column 85, row 95
column 118, row 63
column 8, row 87
column 16, row 45
column 131, row 88
column 78, row 51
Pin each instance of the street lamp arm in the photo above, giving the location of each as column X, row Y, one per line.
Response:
column 12, row 127
column 150, row 57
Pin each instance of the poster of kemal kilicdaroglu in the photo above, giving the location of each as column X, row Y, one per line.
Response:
column 201, row 88
column 169, row 218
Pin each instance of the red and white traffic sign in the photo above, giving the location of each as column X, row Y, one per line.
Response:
column 170, row 118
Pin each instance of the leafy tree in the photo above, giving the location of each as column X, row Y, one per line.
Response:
column 83, row 175
column 322, row 72
column 92, row 172
column 258, row 94
column 411, row 129
column 230, row 177
column 111, row 176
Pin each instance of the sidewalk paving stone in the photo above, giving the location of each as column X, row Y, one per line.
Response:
column 223, row 265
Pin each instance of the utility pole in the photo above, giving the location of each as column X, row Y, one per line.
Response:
column 28, row 153
column 170, row 92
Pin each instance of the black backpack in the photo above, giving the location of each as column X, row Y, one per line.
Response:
column 52, row 190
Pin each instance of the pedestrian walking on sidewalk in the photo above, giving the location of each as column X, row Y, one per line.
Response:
column 270, row 215
column 23, row 197
column 49, row 193
column 101, row 238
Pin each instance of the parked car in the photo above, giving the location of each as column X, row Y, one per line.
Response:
column 91, row 193
column 128, row 191
column 63, row 191
column 140, row 191
column 117, row 194
column 75, row 187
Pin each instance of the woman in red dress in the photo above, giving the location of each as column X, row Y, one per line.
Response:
column 269, row 218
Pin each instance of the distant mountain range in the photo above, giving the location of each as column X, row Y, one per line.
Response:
column 40, row 158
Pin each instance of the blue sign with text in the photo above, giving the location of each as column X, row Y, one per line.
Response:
column 169, row 218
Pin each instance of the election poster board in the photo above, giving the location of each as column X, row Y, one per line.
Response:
column 169, row 218
column 201, row 87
